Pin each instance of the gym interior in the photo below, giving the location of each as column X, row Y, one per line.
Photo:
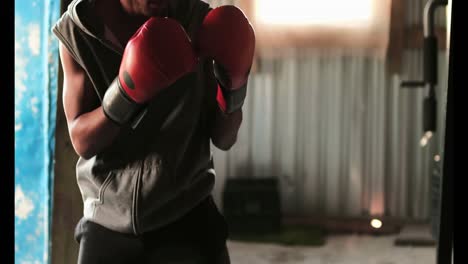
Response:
column 341, row 155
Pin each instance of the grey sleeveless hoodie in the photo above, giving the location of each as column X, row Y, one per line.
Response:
column 153, row 175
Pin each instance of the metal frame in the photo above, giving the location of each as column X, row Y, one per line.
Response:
column 445, row 241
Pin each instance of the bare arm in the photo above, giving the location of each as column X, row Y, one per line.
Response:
column 225, row 129
column 90, row 130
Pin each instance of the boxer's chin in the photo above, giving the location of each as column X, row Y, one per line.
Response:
column 156, row 8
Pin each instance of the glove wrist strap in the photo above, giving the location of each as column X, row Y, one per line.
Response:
column 231, row 100
column 117, row 106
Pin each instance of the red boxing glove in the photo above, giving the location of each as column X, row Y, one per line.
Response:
column 227, row 36
column 157, row 55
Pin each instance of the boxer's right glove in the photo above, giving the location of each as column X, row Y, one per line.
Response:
column 158, row 54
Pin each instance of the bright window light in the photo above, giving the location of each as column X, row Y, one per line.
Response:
column 315, row 12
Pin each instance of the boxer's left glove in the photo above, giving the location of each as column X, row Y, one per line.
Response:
column 227, row 37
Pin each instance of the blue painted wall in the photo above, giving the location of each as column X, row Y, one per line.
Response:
column 36, row 62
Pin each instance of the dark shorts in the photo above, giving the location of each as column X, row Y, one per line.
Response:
column 198, row 237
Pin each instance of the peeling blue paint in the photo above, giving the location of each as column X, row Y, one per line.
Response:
column 36, row 67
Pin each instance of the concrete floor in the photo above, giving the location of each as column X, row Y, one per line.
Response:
column 343, row 249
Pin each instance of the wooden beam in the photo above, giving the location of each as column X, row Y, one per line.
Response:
column 278, row 40
column 68, row 206
column 397, row 36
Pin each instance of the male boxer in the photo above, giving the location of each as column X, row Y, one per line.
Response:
column 147, row 85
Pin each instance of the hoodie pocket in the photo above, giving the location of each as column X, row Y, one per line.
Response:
column 103, row 187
